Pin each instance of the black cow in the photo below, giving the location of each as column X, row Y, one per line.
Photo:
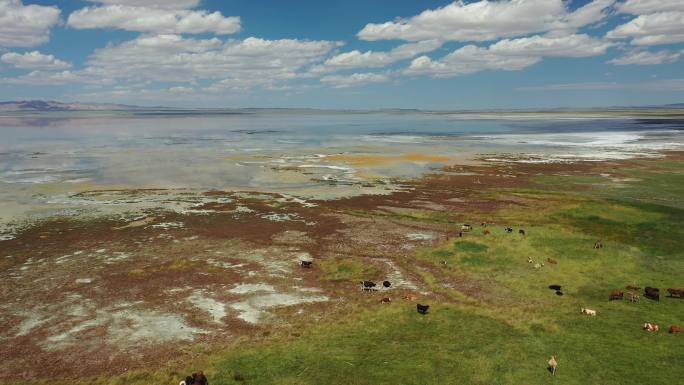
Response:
column 307, row 264
column 555, row 287
column 368, row 285
column 521, row 232
column 652, row 293
column 422, row 309
column 386, row 283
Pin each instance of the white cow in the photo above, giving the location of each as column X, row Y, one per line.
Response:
column 588, row 311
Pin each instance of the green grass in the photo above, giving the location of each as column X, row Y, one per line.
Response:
column 476, row 342
column 339, row 269
column 449, row 345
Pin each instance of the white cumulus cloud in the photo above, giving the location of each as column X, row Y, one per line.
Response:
column 25, row 25
column 376, row 59
column 656, row 22
column 652, row 29
column 34, row 60
column 232, row 64
column 153, row 20
column 578, row 45
column 507, row 55
column 355, row 79
column 43, row 78
column 467, row 60
column 168, row 4
column 487, row 20
column 642, row 7
column 647, row 58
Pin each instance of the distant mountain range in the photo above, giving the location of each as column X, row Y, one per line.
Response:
column 41, row 105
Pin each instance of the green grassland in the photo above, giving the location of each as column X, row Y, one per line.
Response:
column 505, row 330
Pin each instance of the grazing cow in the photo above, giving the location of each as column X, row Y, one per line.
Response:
column 676, row 292
column 422, row 309
column 368, row 285
column 386, row 283
column 483, row 224
column 306, row 264
column 633, row 287
column 199, row 378
column 385, row 300
column 616, row 294
column 675, row 329
column 530, row 260
column 410, row 297
column 466, row 227
column 598, row 244
column 460, row 234
column 486, row 232
column 552, row 261
column 559, row 293
column 553, row 364
column 508, row 230
column 633, row 297
column 521, row 232
column 652, row 293
column 555, row 287
column 649, row 327
column 588, row 311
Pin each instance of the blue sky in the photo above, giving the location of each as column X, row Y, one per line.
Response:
column 424, row 54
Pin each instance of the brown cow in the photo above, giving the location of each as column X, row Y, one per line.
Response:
column 410, row 297
column 675, row 329
column 676, row 292
column 521, row 232
column 386, row 300
column 633, row 287
column 486, row 232
column 552, row 261
column 198, row 378
column 616, row 294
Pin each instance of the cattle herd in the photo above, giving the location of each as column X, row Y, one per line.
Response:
column 615, row 294
column 652, row 293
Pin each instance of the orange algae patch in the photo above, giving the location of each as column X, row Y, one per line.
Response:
column 372, row 160
column 425, row 158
